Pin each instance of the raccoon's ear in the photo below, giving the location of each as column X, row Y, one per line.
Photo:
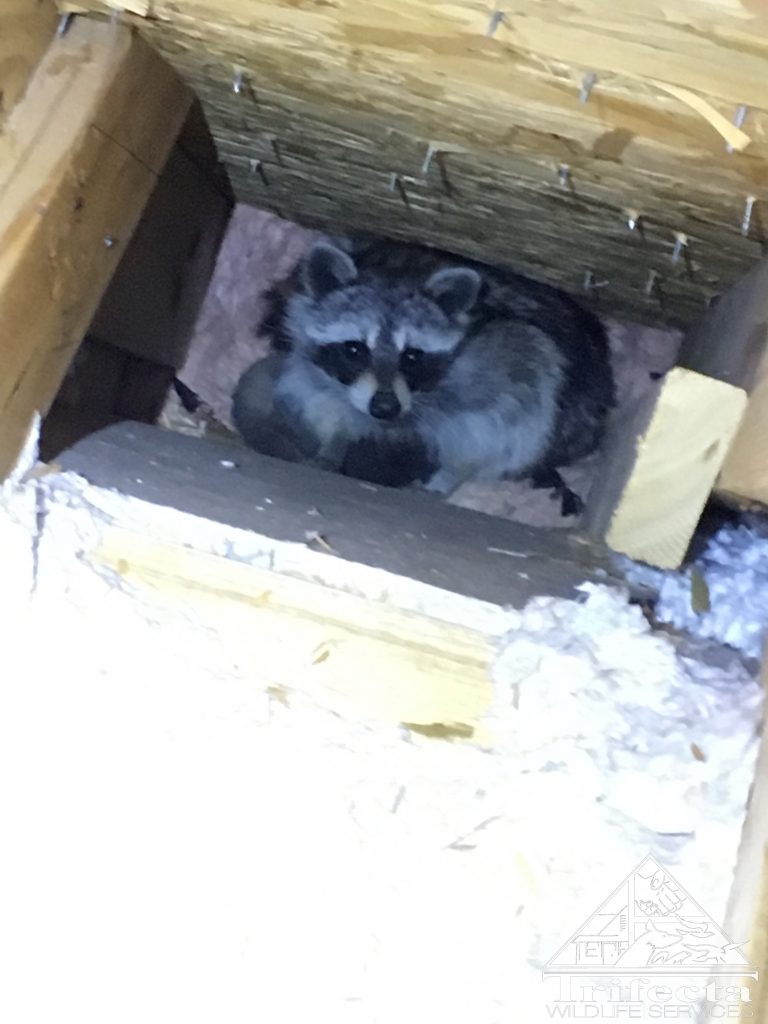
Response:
column 326, row 268
column 454, row 289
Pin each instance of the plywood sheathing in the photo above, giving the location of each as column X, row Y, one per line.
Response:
column 411, row 119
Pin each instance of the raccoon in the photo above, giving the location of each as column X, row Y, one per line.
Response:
column 401, row 364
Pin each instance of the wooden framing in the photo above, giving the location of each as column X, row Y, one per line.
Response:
column 411, row 588
column 313, row 638
column 408, row 588
column 730, row 343
column 140, row 333
column 151, row 305
column 109, row 163
column 660, row 466
column 440, row 123
column 321, row 575
column 405, row 533
column 79, row 157
column 26, row 29
column 748, row 913
column 746, row 919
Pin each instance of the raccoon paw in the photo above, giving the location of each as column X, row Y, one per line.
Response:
column 549, row 479
column 570, row 503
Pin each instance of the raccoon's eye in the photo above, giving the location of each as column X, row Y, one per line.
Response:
column 353, row 349
column 411, row 357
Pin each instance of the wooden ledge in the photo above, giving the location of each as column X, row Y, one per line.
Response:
column 413, row 535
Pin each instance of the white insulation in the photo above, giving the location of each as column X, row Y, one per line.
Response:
column 186, row 848
column 734, row 571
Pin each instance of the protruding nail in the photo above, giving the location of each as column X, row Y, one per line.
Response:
column 591, row 282
column 587, row 85
column 681, row 242
column 746, row 220
column 65, row 20
column 738, row 119
column 432, row 152
column 493, row 23
column 652, row 284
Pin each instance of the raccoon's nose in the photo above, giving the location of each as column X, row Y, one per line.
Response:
column 385, row 405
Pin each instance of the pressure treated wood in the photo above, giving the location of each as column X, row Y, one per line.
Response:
column 731, row 343
column 661, row 465
column 339, row 107
column 79, row 157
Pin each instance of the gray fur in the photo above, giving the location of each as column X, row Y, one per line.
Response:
column 524, row 384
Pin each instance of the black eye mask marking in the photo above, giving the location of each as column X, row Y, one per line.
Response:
column 343, row 360
column 423, row 370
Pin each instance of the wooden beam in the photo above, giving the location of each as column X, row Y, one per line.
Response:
column 324, row 578
column 306, row 637
column 746, row 919
column 660, row 466
column 319, row 138
column 406, row 533
column 78, row 159
column 26, row 29
column 731, row 343
column 141, row 331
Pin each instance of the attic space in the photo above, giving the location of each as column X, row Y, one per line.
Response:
column 567, row 145
column 388, row 693
column 259, row 250
column 477, row 133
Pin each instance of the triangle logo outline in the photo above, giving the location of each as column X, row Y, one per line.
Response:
column 650, row 925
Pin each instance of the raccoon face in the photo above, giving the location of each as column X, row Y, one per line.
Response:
column 380, row 341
